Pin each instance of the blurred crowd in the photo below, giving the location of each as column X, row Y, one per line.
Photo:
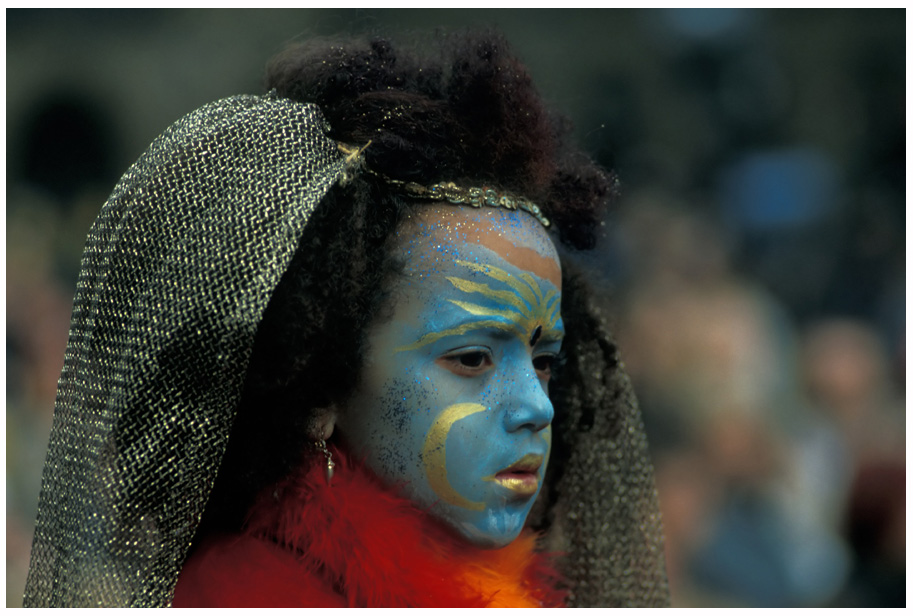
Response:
column 756, row 264
column 761, row 314
column 779, row 445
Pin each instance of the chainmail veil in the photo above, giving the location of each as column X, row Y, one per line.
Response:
column 603, row 512
column 177, row 271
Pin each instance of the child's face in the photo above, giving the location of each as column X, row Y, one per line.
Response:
column 453, row 402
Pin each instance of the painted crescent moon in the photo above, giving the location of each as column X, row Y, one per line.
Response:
column 434, row 454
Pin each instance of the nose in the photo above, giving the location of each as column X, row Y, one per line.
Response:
column 528, row 405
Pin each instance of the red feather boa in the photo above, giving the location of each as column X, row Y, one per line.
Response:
column 356, row 544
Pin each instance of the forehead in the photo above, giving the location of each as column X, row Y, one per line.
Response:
column 437, row 235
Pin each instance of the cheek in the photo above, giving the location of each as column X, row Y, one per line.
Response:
column 394, row 424
column 422, row 411
column 472, row 449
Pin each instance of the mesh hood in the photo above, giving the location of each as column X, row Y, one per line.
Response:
column 177, row 271
column 605, row 515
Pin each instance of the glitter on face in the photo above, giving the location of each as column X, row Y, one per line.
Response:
column 451, row 405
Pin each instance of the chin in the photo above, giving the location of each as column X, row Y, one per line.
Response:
column 495, row 529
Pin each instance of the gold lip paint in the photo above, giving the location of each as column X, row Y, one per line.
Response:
column 521, row 477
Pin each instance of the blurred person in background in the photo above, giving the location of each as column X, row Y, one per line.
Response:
column 852, row 453
column 712, row 354
column 761, row 432
column 847, row 379
column 875, row 526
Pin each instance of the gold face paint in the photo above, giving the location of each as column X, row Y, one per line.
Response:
column 526, row 306
column 434, row 454
column 521, row 485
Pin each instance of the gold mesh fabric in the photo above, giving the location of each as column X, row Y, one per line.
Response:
column 177, row 271
column 607, row 517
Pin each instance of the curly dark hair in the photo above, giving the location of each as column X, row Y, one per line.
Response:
column 465, row 112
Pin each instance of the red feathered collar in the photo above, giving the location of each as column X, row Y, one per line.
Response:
column 355, row 544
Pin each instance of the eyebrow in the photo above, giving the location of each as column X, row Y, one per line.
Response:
column 459, row 330
column 549, row 334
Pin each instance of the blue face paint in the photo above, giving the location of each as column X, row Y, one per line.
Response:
column 453, row 405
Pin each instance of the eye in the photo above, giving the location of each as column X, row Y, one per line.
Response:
column 548, row 365
column 467, row 362
column 472, row 360
column 543, row 365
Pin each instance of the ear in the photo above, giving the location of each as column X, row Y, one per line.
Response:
column 322, row 423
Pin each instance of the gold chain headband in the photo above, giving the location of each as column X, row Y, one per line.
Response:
column 473, row 196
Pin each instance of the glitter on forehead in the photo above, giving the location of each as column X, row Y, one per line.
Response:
column 448, row 233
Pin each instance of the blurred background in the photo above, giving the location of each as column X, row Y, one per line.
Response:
column 756, row 261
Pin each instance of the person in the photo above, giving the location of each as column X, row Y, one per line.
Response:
column 329, row 349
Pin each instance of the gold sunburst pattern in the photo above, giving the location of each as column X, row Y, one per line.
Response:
column 524, row 306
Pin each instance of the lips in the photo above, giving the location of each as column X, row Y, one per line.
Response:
column 521, row 477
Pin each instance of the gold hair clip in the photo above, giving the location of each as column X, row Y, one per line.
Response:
column 448, row 191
